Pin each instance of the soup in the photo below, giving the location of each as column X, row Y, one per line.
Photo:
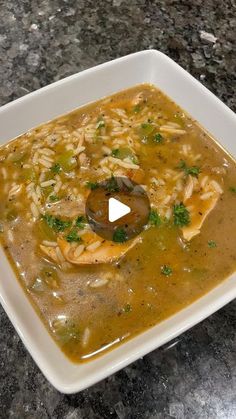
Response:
column 94, row 293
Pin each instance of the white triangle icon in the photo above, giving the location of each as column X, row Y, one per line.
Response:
column 116, row 209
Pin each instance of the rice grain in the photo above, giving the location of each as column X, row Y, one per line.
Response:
column 93, row 246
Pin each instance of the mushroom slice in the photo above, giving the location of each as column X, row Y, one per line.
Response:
column 50, row 252
column 107, row 252
column 202, row 209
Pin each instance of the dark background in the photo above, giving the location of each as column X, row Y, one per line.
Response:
column 194, row 377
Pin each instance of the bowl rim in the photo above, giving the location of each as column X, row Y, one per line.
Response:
column 119, row 357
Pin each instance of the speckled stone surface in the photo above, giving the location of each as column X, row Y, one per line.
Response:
column 193, row 377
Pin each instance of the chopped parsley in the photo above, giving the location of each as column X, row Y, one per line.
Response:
column 73, row 237
column 92, row 185
column 127, row 308
column 166, row 270
column 54, row 198
column 154, row 218
column 158, row 138
column 80, row 222
column 189, row 170
column 232, row 189
column 112, row 185
column 193, row 171
column 181, row 215
column 120, row 235
column 56, row 168
column 56, row 223
column 115, row 152
column 212, row 244
column 149, row 133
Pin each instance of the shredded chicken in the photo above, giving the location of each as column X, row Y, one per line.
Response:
column 108, row 252
column 202, row 203
column 67, row 208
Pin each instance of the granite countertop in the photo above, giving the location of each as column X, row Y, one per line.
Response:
column 193, row 377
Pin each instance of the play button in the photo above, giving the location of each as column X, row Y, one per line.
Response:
column 118, row 209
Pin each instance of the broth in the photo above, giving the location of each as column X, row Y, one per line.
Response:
column 187, row 248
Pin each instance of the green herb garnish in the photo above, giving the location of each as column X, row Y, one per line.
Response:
column 193, row 171
column 112, row 185
column 149, row 133
column 120, row 236
column 212, row 244
column 92, row 185
column 115, row 152
column 181, row 215
column 54, row 198
column 73, row 237
column 154, row 218
column 166, row 270
column 158, row 138
column 127, row 308
column 56, row 168
column 56, row 223
column 80, row 222
column 189, row 170
column 232, row 189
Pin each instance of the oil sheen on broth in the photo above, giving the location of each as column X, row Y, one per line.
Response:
column 89, row 300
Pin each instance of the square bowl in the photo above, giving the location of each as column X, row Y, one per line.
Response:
column 61, row 97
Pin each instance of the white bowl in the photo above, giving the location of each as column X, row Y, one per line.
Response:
column 61, row 97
